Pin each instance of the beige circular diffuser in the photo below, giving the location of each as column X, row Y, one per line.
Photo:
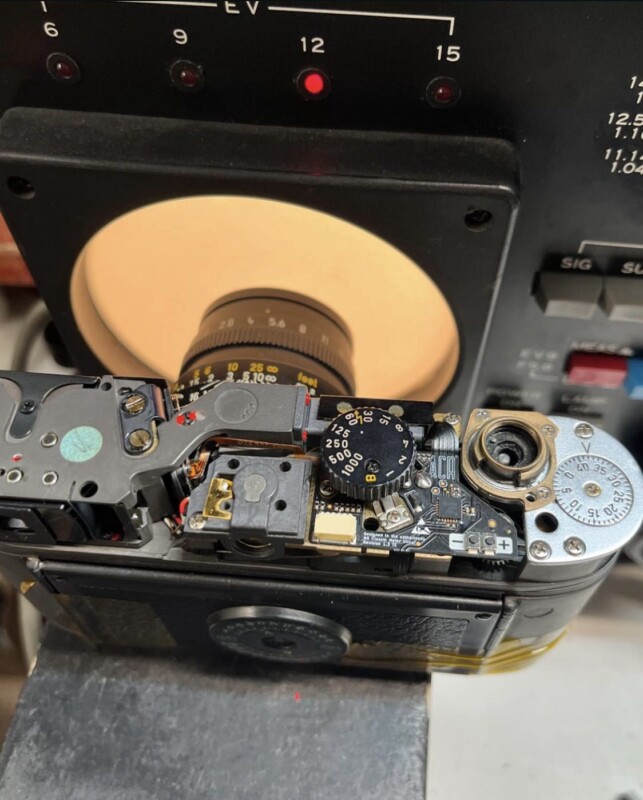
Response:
column 143, row 282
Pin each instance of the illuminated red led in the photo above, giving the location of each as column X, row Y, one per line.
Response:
column 313, row 84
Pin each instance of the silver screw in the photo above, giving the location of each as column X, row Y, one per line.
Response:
column 540, row 550
column 452, row 419
column 134, row 404
column 482, row 413
column 326, row 489
column 140, row 440
column 543, row 493
column 575, row 546
column 48, row 439
column 197, row 522
column 14, row 476
column 584, row 431
column 344, row 407
column 592, row 489
column 396, row 411
column 548, row 430
column 393, row 516
column 49, row 478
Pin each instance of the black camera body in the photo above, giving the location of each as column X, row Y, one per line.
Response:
column 265, row 521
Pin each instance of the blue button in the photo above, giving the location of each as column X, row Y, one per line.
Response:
column 634, row 380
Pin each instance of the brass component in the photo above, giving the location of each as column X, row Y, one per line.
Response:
column 453, row 420
column 140, row 440
column 134, row 404
column 26, row 586
column 531, row 483
column 219, row 493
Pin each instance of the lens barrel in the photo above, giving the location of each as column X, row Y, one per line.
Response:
column 268, row 337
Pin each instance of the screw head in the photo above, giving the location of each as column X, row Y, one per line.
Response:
column 343, row 407
column 50, row 478
column 540, row 550
column 482, row 413
column 543, row 493
column 396, row 411
column 326, row 489
column 584, row 431
column 452, row 419
column 49, row 439
column 140, row 440
column 373, row 466
column 592, row 489
column 574, row 546
column 27, row 406
column 197, row 522
column 393, row 516
column 14, row 476
column 423, row 480
column 548, row 430
column 134, row 404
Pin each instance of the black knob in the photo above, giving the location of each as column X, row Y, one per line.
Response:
column 368, row 453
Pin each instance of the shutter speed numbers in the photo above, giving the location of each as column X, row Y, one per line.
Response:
column 593, row 490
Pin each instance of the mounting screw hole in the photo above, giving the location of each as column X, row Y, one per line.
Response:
column 21, row 187
column 530, row 498
column 547, row 523
column 281, row 505
column 233, row 463
column 88, row 489
column 106, row 386
column 285, row 466
column 371, row 524
column 478, row 219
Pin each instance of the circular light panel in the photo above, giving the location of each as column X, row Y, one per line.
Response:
column 143, row 282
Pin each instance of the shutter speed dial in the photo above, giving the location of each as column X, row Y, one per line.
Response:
column 368, row 453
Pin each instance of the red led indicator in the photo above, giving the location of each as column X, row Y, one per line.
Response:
column 189, row 77
column 443, row 92
column 313, row 84
column 63, row 68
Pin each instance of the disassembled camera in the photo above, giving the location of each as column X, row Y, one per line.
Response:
column 290, row 526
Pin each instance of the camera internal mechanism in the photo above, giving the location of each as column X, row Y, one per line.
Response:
column 511, row 457
column 258, row 463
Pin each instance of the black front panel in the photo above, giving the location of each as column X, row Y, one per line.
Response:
column 180, row 605
column 562, row 81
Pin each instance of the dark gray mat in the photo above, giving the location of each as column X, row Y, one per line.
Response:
column 92, row 726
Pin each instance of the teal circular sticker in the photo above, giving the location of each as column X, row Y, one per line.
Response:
column 81, row 444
